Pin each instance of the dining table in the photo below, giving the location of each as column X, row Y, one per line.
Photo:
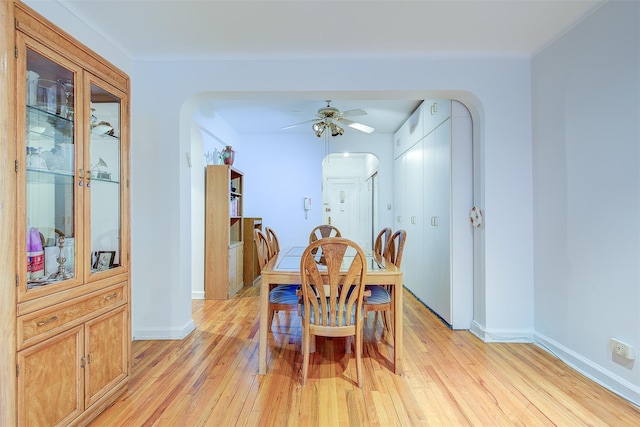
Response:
column 284, row 269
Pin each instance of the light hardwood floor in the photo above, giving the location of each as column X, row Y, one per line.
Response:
column 450, row 378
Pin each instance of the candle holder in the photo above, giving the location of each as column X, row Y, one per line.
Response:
column 62, row 272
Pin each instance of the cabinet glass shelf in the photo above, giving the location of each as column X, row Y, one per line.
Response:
column 44, row 124
column 40, row 173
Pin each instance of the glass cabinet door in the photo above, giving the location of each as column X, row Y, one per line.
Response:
column 47, row 170
column 104, row 178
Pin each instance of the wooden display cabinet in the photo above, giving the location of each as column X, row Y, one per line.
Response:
column 71, row 339
column 223, row 252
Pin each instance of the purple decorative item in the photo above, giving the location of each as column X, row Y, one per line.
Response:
column 35, row 255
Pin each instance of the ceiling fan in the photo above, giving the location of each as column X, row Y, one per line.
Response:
column 330, row 119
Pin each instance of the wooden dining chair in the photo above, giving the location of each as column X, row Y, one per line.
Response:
column 379, row 297
column 281, row 297
column 272, row 238
column 262, row 247
column 382, row 240
column 332, row 296
column 322, row 231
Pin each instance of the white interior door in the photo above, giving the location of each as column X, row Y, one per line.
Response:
column 342, row 206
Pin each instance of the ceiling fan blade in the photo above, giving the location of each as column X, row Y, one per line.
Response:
column 355, row 112
column 298, row 124
column 359, row 126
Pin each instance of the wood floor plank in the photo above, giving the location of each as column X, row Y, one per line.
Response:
column 451, row 378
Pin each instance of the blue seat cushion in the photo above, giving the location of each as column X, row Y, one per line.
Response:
column 379, row 295
column 284, row 294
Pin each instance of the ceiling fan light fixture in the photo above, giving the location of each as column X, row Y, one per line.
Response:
column 328, row 118
column 335, row 129
column 319, row 128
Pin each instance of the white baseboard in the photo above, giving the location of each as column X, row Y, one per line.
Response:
column 594, row 372
column 597, row 373
column 164, row 334
column 501, row 335
column 197, row 295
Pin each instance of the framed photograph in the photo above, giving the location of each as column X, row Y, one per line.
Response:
column 104, row 260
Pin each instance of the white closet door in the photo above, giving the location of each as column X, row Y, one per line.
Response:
column 442, row 213
column 412, row 260
column 431, row 206
column 437, row 202
column 402, row 140
column 433, row 296
column 400, row 191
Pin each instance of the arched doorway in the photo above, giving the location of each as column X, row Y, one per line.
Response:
column 386, row 206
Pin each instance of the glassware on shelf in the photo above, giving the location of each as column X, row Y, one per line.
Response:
column 34, row 160
column 66, row 108
column 32, row 87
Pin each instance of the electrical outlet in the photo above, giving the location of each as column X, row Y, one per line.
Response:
column 622, row 349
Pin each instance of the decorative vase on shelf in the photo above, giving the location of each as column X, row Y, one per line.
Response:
column 228, row 155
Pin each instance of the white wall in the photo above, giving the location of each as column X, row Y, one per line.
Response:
column 586, row 157
column 60, row 16
column 496, row 90
column 502, row 85
column 202, row 141
column 279, row 177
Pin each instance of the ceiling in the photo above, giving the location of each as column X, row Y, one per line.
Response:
column 242, row 29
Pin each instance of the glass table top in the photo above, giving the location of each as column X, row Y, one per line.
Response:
column 290, row 260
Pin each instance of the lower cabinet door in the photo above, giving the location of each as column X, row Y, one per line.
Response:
column 240, row 267
column 106, row 340
column 235, row 269
column 51, row 380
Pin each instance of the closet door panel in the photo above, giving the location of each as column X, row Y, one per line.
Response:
column 442, row 212
column 437, row 190
column 400, row 191
column 435, row 112
column 401, row 140
column 412, row 264
column 433, row 296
